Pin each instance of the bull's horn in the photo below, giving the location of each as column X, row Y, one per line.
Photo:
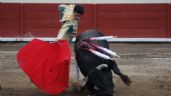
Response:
column 101, row 66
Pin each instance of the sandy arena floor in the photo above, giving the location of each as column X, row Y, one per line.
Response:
column 147, row 64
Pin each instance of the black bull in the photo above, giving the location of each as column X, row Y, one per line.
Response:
column 100, row 82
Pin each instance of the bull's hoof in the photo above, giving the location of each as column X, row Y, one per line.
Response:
column 126, row 80
column 129, row 83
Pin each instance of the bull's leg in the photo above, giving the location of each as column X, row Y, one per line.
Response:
column 116, row 70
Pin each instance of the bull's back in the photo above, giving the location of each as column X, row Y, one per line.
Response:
column 86, row 60
column 90, row 34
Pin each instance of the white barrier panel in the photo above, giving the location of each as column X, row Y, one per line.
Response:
column 6, row 39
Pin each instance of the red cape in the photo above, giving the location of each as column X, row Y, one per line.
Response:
column 46, row 64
